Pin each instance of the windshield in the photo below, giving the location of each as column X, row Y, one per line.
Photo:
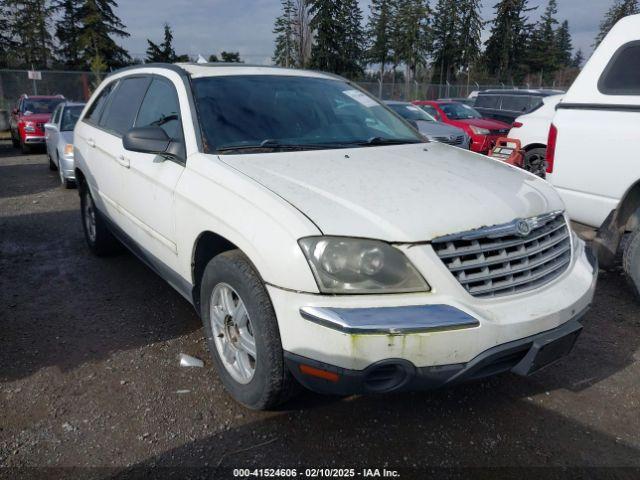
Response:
column 411, row 112
column 70, row 116
column 270, row 111
column 459, row 111
column 40, row 105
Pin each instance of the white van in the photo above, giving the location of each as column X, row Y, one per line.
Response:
column 592, row 156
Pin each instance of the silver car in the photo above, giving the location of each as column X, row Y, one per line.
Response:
column 429, row 127
column 59, row 139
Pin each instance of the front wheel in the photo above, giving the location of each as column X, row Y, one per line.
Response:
column 242, row 333
column 631, row 261
column 535, row 161
column 24, row 148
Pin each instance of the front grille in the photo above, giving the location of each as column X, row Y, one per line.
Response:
column 495, row 261
column 450, row 140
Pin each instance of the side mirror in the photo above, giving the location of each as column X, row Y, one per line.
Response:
column 147, row 140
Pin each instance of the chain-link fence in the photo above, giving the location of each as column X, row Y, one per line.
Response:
column 78, row 86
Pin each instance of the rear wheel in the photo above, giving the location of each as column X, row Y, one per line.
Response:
column 631, row 261
column 14, row 140
column 535, row 161
column 99, row 239
column 242, row 333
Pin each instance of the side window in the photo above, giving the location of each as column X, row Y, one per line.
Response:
column 161, row 108
column 96, row 108
column 622, row 74
column 431, row 111
column 120, row 113
column 487, row 101
column 516, row 103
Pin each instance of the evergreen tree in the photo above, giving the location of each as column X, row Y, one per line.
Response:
column 31, row 21
column 339, row 36
column 506, row 45
column 99, row 25
column 543, row 49
column 285, row 50
column 353, row 46
column 230, row 57
column 578, row 59
column 446, row 42
column 7, row 42
column 619, row 10
column 213, row 58
column 379, row 31
column 469, row 33
column 68, row 29
column 564, row 44
column 163, row 52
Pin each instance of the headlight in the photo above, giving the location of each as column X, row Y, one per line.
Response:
column 29, row 127
column 68, row 149
column 352, row 265
column 479, row 130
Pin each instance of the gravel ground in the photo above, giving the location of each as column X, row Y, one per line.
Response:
column 89, row 378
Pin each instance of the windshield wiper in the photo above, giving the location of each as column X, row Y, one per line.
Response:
column 270, row 145
column 385, row 141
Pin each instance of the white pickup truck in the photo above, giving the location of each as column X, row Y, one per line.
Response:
column 592, row 156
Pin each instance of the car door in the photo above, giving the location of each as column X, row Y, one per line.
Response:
column 103, row 141
column 150, row 180
column 51, row 133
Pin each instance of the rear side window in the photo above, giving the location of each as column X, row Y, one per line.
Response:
column 517, row 103
column 96, row 108
column 160, row 108
column 487, row 101
column 622, row 75
column 121, row 111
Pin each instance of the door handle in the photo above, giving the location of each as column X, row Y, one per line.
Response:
column 91, row 142
column 124, row 161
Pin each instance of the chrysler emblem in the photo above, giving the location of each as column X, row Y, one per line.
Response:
column 523, row 228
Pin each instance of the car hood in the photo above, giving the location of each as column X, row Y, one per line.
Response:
column 437, row 128
column 405, row 193
column 485, row 123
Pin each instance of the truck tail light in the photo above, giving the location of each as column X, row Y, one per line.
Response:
column 551, row 147
column 516, row 124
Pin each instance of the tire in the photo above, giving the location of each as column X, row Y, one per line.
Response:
column 14, row 141
column 24, row 148
column 269, row 383
column 99, row 239
column 535, row 161
column 631, row 261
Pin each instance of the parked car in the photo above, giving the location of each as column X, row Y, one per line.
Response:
column 592, row 154
column 532, row 129
column 289, row 208
column 483, row 132
column 428, row 126
column 59, row 140
column 28, row 118
column 506, row 105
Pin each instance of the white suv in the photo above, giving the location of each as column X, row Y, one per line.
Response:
column 592, row 154
column 320, row 238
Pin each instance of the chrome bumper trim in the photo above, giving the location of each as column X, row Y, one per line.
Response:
column 390, row 320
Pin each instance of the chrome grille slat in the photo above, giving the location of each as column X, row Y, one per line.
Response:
column 495, row 261
column 498, row 244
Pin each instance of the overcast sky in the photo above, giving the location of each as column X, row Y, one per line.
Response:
column 210, row 26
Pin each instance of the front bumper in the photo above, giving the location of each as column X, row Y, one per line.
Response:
column 441, row 328
column 523, row 357
column 67, row 166
column 34, row 139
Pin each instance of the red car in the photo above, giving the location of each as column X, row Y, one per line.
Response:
column 28, row 119
column 483, row 131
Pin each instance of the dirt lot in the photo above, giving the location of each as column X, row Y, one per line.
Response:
column 89, row 378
